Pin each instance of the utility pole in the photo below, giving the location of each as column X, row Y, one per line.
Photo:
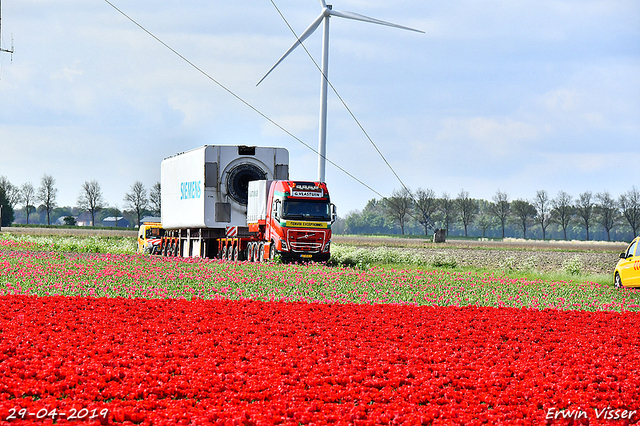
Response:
column 1, row 48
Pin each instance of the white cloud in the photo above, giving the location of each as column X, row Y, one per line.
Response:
column 488, row 136
column 68, row 74
column 582, row 164
column 296, row 124
column 514, row 95
column 561, row 100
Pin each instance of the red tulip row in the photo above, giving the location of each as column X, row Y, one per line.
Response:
column 246, row 362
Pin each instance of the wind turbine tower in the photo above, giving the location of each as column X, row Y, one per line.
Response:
column 328, row 12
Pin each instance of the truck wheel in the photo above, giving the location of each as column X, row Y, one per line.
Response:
column 272, row 251
column 250, row 252
column 261, row 252
column 256, row 249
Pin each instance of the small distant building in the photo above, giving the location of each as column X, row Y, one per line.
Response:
column 111, row 222
column 84, row 219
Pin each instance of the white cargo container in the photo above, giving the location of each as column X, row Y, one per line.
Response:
column 257, row 203
column 208, row 187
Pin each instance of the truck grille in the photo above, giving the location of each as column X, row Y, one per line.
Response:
column 305, row 241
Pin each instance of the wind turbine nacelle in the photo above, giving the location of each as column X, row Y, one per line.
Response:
column 208, row 187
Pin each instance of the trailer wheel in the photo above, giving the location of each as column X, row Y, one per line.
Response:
column 176, row 249
column 255, row 252
column 236, row 254
column 261, row 252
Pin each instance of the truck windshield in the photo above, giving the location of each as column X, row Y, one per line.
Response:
column 318, row 210
column 154, row 232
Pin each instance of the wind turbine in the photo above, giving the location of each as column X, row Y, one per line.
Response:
column 327, row 12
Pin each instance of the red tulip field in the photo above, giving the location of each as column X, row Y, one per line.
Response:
column 123, row 339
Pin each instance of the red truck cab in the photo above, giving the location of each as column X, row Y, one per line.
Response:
column 293, row 219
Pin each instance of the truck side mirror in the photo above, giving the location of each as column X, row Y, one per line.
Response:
column 334, row 214
column 276, row 210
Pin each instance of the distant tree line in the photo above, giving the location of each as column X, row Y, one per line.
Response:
column 38, row 205
column 587, row 216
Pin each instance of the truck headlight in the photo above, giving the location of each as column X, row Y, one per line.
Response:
column 326, row 247
column 283, row 245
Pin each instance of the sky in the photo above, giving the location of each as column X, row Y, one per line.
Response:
column 516, row 96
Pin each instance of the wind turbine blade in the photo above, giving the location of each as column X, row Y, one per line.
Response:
column 358, row 17
column 323, row 3
column 302, row 38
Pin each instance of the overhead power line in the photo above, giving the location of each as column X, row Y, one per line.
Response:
column 232, row 93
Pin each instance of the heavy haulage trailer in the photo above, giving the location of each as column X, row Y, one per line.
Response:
column 237, row 203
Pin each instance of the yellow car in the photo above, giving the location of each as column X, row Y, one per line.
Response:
column 627, row 273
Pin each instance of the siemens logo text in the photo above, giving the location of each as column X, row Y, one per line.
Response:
column 189, row 190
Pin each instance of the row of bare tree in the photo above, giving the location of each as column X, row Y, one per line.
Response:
column 90, row 198
column 588, row 210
